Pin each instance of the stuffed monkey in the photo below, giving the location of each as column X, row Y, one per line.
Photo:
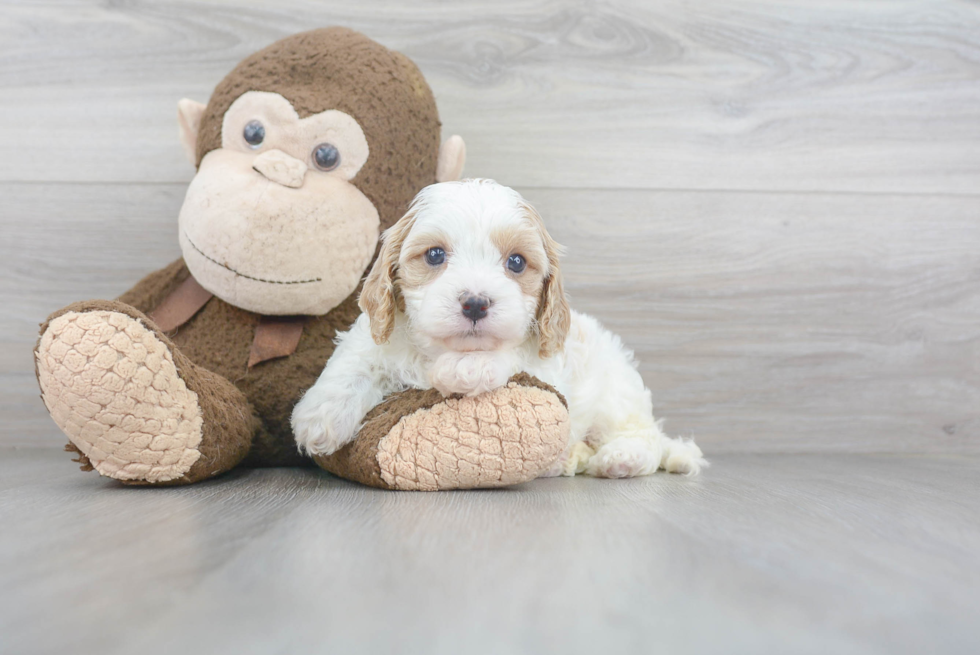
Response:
column 305, row 153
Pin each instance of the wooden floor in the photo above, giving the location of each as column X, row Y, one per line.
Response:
column 763, row 554
column 777, row 204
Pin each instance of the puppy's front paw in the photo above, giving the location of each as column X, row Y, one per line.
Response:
column 318, row 429
column 314, row 439
column 469, row 373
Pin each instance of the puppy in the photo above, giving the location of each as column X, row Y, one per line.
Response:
column 466, row 292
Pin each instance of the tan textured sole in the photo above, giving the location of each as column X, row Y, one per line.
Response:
column 504, row 437
column 114, row 390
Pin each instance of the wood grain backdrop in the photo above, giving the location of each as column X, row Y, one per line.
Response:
column 777, row 204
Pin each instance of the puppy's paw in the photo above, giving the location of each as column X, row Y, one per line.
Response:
column 469, row 373
column 573, row 461
column 320, row 428
column 683, row 457
column 625, row 457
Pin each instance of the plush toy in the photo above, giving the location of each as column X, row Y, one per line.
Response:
column 305, row 152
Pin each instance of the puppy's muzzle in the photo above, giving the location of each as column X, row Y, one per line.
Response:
column 475, row 307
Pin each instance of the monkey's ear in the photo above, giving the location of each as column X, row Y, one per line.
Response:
column 189, row 113
column 452, row 156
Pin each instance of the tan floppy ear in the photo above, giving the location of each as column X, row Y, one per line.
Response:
column 378, row 299
column 554, row 314
column 452, row 156
column 189, row 113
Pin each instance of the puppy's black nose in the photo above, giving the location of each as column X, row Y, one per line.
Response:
column 475, row 307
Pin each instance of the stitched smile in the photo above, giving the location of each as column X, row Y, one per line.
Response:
column 249, row 277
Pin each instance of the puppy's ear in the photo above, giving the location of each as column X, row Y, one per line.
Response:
column 554, row 315
column 377, row 298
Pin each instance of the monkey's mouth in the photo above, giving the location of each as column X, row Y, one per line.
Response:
column 247, row 277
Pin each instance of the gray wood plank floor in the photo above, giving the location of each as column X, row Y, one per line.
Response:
column 776, row 203
column 763, row 554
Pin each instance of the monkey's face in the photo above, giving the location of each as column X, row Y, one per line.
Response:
column 272, row 222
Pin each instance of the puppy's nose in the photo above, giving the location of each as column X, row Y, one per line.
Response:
column 475, row 307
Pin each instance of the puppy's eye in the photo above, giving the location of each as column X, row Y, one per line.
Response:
column 516, row 263
column 435, row 256
column 326, row 157
column 254, row 133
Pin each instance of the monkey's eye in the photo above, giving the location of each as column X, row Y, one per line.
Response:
column 516, row 263
column 435, row 256
column 326, row 157
column 254, row 133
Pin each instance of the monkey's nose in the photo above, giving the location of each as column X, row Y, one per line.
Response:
column 280, row 168
column 475, row 307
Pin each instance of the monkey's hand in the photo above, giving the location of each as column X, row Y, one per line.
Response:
column 470, row 373
column 417, row 439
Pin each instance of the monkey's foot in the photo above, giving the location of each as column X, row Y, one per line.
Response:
column 111, row 383
column 418, row 440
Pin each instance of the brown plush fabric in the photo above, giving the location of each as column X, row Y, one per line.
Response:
column 337, row 68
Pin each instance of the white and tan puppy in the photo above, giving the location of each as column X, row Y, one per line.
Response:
column 466, row 292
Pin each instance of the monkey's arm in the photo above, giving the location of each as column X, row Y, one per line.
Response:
column 418, row 440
